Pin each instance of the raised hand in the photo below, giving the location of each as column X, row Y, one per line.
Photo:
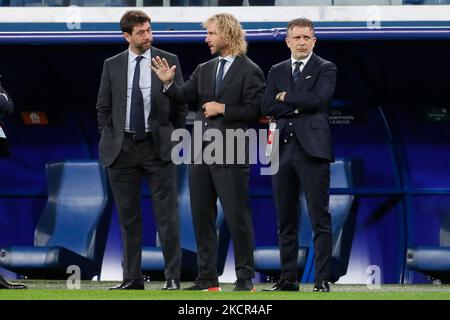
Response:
column 162, row 70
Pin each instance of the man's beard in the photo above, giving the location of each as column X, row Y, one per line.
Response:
column 143, row 47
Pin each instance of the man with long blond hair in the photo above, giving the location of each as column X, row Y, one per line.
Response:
column 228, row 91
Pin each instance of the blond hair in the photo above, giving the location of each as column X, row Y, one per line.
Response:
column 231, row 32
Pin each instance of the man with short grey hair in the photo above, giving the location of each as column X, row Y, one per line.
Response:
column 298, row 96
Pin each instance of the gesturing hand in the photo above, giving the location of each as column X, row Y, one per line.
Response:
column 162, row 70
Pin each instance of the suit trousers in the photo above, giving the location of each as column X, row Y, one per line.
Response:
column 230, row 185
column 135, row 161
column 298, row 171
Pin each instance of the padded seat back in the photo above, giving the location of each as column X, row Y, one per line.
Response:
column 343, row 209
column 74, row 217
column 444, row 234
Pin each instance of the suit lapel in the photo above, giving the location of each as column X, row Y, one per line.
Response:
column 155, row 84
column 232, row 71
column 306, row 72
column 213, row 74
column 286, row 77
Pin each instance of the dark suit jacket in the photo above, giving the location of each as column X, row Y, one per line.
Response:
column 112, row 101
column 6, row 107
column 241, row 91
column 311, row 94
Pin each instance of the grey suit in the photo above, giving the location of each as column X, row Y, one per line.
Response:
column 128, row 161
column 6, row 107
column 241, row 91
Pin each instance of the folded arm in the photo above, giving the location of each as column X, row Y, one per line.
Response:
column 319, row 96
column 271, row 106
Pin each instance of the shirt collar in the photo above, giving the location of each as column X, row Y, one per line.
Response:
column 230, row 58
column 132, row 56
column 304, row 61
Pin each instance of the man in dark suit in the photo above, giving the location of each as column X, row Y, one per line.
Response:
column 228, row 92
column 136, row 121
column 6, row 107
column 298, row 94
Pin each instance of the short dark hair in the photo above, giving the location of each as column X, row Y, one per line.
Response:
column 300, row 22
column 133, row 18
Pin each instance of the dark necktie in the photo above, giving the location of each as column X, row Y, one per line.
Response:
column 219, row 77
column 297, row 72
column 137, row 118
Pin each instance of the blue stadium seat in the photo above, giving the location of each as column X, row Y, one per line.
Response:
column 343, row 208
column 102, row 3
column 433, row 261
column 152, row 258
column 412, row 1
column 73, row 227
column 118, row 3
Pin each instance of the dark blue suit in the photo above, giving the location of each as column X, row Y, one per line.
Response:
column 305, row 156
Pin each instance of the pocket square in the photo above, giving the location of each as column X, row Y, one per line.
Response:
column 307, row 77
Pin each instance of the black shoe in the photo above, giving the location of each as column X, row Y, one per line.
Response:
column 284, row 285
column 8, row 285
column 244, row 285
column 134, row 284
column 171, row 284
column 321, row 286
column 205, row 285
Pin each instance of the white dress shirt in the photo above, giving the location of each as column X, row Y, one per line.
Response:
column 304, row 62
column 226, row 67
column 145, row 83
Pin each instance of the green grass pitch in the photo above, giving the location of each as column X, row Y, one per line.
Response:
column 98, row 290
